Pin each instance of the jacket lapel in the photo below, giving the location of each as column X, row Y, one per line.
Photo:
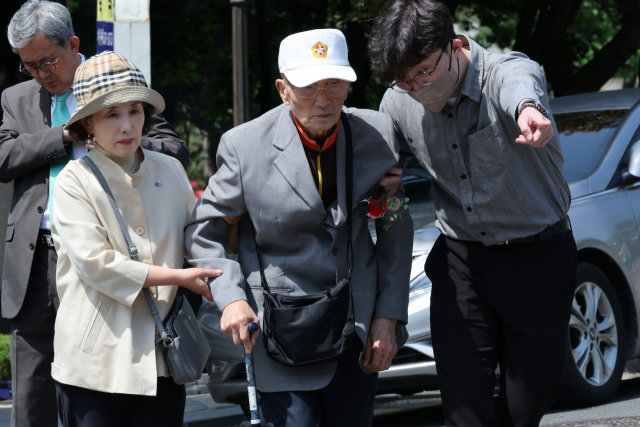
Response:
column 44, row 121
column 292, row 162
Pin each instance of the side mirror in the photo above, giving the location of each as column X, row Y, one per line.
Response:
column 634, row 160
column 631, row 173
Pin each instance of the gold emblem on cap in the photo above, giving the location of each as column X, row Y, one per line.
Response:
column 320, row 50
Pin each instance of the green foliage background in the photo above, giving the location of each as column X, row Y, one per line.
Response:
column 192, row 65
column 5, row 362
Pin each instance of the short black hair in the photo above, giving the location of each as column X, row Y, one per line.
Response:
column 78, row 132
column 405, row 33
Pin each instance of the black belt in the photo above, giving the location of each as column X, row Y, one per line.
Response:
column 546, row 234
column 44, row 238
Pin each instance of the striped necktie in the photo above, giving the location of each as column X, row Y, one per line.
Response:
column 60, row 117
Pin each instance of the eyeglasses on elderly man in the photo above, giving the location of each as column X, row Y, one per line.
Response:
column 332, row 89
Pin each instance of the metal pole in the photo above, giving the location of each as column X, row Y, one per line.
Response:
column 240, row 61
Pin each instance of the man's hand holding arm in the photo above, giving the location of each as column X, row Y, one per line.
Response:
column 391, row 181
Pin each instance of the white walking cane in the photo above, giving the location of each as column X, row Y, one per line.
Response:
column 251, row 380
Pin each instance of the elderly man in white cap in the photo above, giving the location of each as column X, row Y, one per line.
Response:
column 286, row 174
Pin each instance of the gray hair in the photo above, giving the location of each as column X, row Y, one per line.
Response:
column 37, row 17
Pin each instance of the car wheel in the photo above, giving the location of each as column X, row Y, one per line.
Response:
column 596, row 350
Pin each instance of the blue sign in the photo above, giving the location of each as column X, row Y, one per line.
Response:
column 104, row 36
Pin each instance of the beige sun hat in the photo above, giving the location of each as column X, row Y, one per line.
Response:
column 108, row 79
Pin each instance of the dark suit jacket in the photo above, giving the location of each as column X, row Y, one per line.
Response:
column 28, row 145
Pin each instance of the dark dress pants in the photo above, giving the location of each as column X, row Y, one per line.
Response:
column 34, row 394
column 346, row 402
column 81, row 407
column 506, row 306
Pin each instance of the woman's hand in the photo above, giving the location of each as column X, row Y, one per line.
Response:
column 195, row 279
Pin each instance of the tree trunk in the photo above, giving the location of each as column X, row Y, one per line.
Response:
column 557, row 55
column 526, row 25
column 357, row 41
column 536, row 42
column 359, row 61
column 605, row 63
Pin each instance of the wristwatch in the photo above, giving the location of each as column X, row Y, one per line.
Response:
column 534, row 104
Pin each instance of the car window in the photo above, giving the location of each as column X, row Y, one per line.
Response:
column 585, row 138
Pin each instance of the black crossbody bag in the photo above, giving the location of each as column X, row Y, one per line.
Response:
column 316, row 328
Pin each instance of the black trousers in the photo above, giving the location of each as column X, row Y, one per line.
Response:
column 81, row 407
column 346, row 402
column 31, row 349
column 506, row 306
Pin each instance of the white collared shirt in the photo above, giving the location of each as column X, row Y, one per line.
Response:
column 79, row 150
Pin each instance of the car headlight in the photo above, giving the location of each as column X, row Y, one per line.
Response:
column 419, row 285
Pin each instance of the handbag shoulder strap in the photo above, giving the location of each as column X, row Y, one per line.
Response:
column 349, row 188
column 133, row 251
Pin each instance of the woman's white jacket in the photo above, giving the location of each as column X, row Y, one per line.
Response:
column 104, row 332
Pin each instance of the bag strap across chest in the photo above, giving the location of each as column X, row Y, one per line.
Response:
column 349, row 194
column 133, row 251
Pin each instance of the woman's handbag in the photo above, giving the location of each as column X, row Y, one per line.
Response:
column 186, row 349
column 316, row 328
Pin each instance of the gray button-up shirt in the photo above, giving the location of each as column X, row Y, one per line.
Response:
column 486, row 187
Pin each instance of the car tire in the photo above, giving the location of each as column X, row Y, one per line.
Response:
column 596, row 348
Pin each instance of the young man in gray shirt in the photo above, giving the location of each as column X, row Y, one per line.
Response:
column 478, row 122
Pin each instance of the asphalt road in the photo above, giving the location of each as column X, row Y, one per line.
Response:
column 623, row 410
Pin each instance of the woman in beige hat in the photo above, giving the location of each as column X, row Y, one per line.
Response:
column 107, row 368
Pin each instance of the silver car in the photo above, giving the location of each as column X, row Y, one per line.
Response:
column 600, row 134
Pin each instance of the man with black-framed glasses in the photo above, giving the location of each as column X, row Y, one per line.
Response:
column 33, row 150
column 503, row 270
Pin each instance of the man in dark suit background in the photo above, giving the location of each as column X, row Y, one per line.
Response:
column 33, row 149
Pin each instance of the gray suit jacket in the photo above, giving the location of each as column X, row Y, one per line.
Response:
column 28, row 145
column 264, row 176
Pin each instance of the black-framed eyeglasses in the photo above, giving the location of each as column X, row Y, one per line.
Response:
column 47, row 67
column 424, row 77
column 334, row 90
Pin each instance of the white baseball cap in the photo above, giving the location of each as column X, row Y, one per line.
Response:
column 315, row 55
